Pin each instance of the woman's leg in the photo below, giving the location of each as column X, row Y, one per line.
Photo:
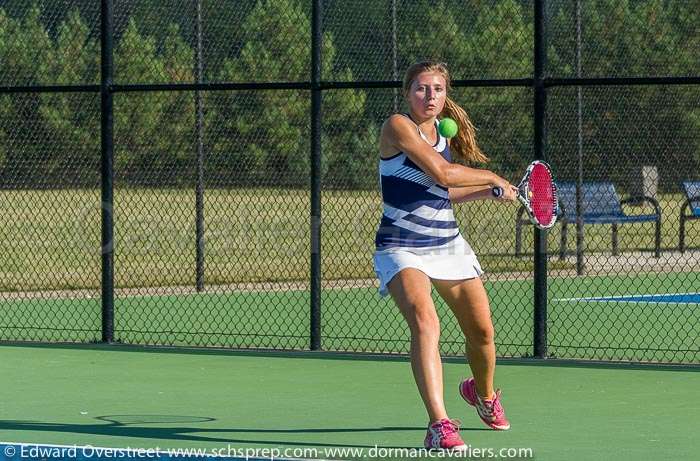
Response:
column 468, row 301
column 470, row 305
column 410, row 289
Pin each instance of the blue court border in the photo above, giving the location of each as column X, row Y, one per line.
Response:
column 670, row 298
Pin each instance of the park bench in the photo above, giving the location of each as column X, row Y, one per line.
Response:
column 692, row 204
column 600, row 204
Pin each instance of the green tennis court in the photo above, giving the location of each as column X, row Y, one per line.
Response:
column 122, row 397
column 302, row 405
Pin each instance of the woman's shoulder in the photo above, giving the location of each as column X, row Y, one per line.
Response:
column 398, row 118
column 396, row 124
column 394, row 129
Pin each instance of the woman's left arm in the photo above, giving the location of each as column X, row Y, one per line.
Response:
column 471, row 193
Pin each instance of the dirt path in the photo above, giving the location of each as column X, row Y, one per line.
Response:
column 595, row 264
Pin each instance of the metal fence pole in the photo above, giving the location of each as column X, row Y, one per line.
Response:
column 107, row 152
column 199, row 192
column 540, row 295
column 579, row 119
column 315, row 285
column 394, row 54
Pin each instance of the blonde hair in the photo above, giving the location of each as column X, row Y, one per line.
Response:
column 463, row 146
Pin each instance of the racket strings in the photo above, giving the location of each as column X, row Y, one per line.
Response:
column 543, row 196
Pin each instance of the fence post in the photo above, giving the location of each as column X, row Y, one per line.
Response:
column 107, row 152
column 394, row 54
column 199, row 189
column 315, row 286
column 540, row 250
column 580, row 264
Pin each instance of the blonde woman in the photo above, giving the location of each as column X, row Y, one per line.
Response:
column 418, row 243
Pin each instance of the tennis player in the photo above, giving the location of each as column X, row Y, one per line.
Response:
column 418, row 243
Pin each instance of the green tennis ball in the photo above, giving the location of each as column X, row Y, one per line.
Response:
column 448, row 127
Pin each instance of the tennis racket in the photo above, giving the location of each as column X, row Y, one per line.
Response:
column 538, row 194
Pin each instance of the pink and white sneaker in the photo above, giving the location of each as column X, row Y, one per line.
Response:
column 490, row 411
column 444, row 435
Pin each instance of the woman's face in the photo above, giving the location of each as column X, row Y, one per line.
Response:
column 426, row 96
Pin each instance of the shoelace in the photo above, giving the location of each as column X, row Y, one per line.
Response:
column 448, row 427
column 494, row 406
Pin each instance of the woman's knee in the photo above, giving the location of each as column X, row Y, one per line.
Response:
column 481, row 334
column 424, row 322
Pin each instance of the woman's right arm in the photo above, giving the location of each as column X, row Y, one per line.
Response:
column 401, row 134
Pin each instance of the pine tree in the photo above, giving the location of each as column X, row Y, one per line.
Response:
column 263, row 136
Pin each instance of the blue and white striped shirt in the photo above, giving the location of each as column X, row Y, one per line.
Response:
column 417, row 211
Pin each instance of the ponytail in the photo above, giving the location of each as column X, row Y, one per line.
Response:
column 463, row 145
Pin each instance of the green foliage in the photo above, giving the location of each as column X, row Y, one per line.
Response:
column 5, row 108
column 72, row 119
column 26, row 49
column 497, row 42
column 22, row 126
column 262, row 137
column 635, row 125
column 153, row 131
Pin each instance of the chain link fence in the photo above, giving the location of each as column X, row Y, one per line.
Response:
column 212, row 105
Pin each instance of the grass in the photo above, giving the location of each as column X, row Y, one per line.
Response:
column 51, row 239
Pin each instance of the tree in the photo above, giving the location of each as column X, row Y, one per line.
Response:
column 72, row 119
column 25, row 48
column 263, row 136
column 153, row 131
column 496, row 42
column 626, row 127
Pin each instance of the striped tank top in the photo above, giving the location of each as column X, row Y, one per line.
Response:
column 417, row 211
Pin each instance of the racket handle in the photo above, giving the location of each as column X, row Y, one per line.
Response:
column 497, row 191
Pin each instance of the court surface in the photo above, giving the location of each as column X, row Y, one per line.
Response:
column 603, row 317
column 123, row 397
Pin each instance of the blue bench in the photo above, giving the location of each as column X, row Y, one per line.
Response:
column 600, row 204
column 692, row 192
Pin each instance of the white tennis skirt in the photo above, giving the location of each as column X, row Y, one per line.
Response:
column 453, row 261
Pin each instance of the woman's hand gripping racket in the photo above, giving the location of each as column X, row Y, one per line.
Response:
column 538, row 194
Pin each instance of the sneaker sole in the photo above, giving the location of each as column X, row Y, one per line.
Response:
column 457, row 448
